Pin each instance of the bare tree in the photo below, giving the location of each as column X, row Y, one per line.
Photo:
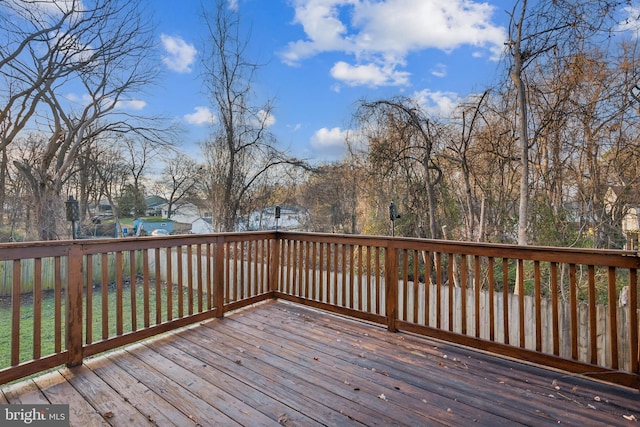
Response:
column 102, row 46
column 242, row 148
column 178, row 181
column 403, row 139
column 536, row 29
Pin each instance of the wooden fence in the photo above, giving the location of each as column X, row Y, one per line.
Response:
column 106, row 294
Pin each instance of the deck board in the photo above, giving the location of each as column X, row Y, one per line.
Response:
column 284, row 364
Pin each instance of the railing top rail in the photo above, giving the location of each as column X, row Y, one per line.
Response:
column 608, row 257
column 581, row 256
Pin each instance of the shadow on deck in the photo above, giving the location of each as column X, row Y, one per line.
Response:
column 284, row 364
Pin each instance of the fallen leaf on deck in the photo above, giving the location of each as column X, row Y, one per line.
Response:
column 315, row 357
column 597, row 398
column 108, row 414
column 382, row 397
column 282, row 419
column 238, row 361
column 630, row 417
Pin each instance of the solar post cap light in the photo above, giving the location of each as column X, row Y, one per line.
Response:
column 73, row 213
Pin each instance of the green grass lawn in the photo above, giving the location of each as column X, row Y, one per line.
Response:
column 48, row 318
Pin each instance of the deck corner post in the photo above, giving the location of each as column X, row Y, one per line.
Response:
column 218, row 277
column 74, row 306
column 391, row 287
column 274, row 265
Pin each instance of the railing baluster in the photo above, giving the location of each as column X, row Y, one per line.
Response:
column 368, row 298
column 573, row 308
column 180, row 282
column 520, row 284
column 439, row 302
column 634, row 344
column 58, row 304
column 463, row 293
column 15, row 313
column 306, row 293
column 74, row 306
column 492, row 307
column 119, row 293
column 377, row 281
column 211, row 275
column 89, row 301
column 158, row 287
column 200, row 277
column 538, row 302
column 335, row 299
column 405, row 284
column 416, row 285
column 343, row 274
column 37, row 308
column 477, row 286
column 593, row 321
column 169, row 282
column 314, row 269
column 133, row 281
column 145, row 288
column 451, row 283
column 613, row 317
column 427, row 288
column 104, row 264
column 554, row 308
column 505, row 299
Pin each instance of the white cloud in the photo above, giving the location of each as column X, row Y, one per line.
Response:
column 330, row 142
column 632, row 20
column 180, row 55
column 123, row 104
column 131, row 104
column 439, row 104
column 265, row 119
column 440, row 70
column 368, row 75
column 83, row 99
column 202, row 116
column 380, row 35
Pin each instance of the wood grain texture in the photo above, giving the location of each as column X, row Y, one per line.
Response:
column 283, row 364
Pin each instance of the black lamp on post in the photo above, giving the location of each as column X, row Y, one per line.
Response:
column 73, row 213
column 277, row 216
column 393, row 215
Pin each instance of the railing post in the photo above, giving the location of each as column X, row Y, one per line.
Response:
column 74, row 305
column 274, row 264
column 218, row 277
column 391, row 286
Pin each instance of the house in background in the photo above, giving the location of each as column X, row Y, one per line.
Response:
column 623, row 203
column 185, row 213
column 291, row 218
column 154, row 205
column 202, row 225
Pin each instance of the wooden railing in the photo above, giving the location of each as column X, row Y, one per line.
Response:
column 553, row 306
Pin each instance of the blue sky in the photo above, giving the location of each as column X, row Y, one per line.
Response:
column 321, row 56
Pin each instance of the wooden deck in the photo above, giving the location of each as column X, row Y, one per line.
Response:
column 283, row 364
